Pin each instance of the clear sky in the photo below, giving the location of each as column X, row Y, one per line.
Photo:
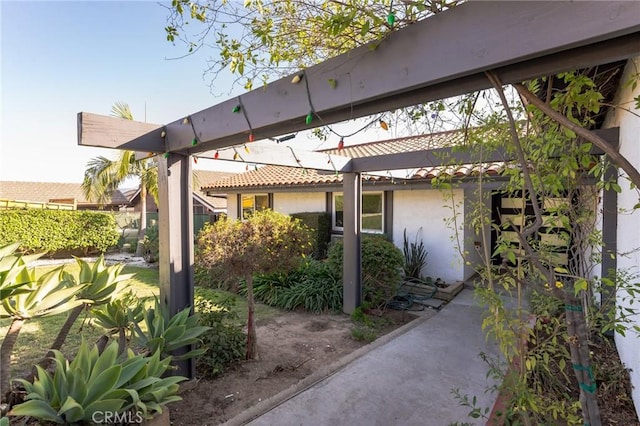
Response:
column 60, row 58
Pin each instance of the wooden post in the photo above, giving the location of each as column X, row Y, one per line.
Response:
column 352, row 256
column 175, row 227
column 609, row 238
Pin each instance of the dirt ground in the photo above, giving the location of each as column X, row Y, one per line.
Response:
column 291, row 347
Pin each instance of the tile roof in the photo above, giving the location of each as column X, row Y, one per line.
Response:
column 207, row 178
column 45, row 191
column 399, row 145
column 283, row 176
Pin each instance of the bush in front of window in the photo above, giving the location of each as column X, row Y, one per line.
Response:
column 285, row 241
column 320, row 224
column 382, row 264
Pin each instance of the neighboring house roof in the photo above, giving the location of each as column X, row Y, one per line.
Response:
column 283, row 176
column 207, row 178
column 46, row 191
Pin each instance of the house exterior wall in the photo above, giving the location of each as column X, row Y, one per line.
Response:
column 299, row 202
column 628, row 233
column 431, row 211
column 232, row 205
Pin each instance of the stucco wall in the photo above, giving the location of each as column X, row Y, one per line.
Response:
column 298, row 202
column 232, row 205
column 628, row 231
column 429, row 210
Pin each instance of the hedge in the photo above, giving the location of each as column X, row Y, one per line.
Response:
column 55, row 231
column 320, row 223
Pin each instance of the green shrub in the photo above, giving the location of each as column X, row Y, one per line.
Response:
column 56, row 231
column 267, row 241
column 317, row 289
column 382, row 263
column 320, row 224
column 312, row 287
column 225, row 341
column 151, row 245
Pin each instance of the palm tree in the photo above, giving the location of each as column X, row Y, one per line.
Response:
column 103, row 176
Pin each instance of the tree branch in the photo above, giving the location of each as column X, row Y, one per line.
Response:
column 617, row 158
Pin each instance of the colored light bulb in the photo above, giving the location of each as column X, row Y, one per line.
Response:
column 384, row 125
column 236, row 109
column 341, row 144
column 216, row 155
column 391, row 19
column 251, row 137
column 309, row 118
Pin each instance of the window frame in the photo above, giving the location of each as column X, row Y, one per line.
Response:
column 337, row 228
column 241, row 198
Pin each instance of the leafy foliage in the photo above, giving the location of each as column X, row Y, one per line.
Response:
column 14, row 276
column 224, row 341
column 54, row 231
column 151, row 244
column 320, row 224
column 272, row 43
column 165, row 333
column 382, row 263
column 312, row 287
column 415, row 256
column 94, row 383
column 268, row 241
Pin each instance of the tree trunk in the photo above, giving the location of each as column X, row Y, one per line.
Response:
column 5, row 356
column 122, row 341
column 143, row 218
column 252, row 345
column 578, row 346
column 60, row 338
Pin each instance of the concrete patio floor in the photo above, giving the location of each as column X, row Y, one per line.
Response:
column 406, row 380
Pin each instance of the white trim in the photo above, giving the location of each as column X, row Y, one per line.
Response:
column 334, row 227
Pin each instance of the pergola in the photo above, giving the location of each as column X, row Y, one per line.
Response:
column 442, row 56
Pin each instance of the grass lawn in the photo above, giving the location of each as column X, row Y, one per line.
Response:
column 36, row 335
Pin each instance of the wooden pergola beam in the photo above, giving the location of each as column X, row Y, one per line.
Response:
column 114, row 132
column 448, row 56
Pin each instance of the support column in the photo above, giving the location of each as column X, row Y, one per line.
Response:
column 609, row 237
column 175, row 227
column 352, row 256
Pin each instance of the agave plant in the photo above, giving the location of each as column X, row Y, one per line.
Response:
column 166, row 334
column 48, row 295
column 13, row 276
column 119, row 315
column 94, row 383
column 101, row 284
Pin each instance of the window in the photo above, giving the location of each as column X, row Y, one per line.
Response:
column 251, row 203
column 372, row 212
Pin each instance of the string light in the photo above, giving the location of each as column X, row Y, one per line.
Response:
column 185, row 121
column 235, row 156
column 195, row 160
column 246, row 149
column 297, row 78
column 384, row 125
column 341, row 144
column 166, row 155
column 163, row 133
column 216, row 155
column 251, row 137
column 391, row 18
column 194, row 142
column 236, row 109
column 309, row 118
